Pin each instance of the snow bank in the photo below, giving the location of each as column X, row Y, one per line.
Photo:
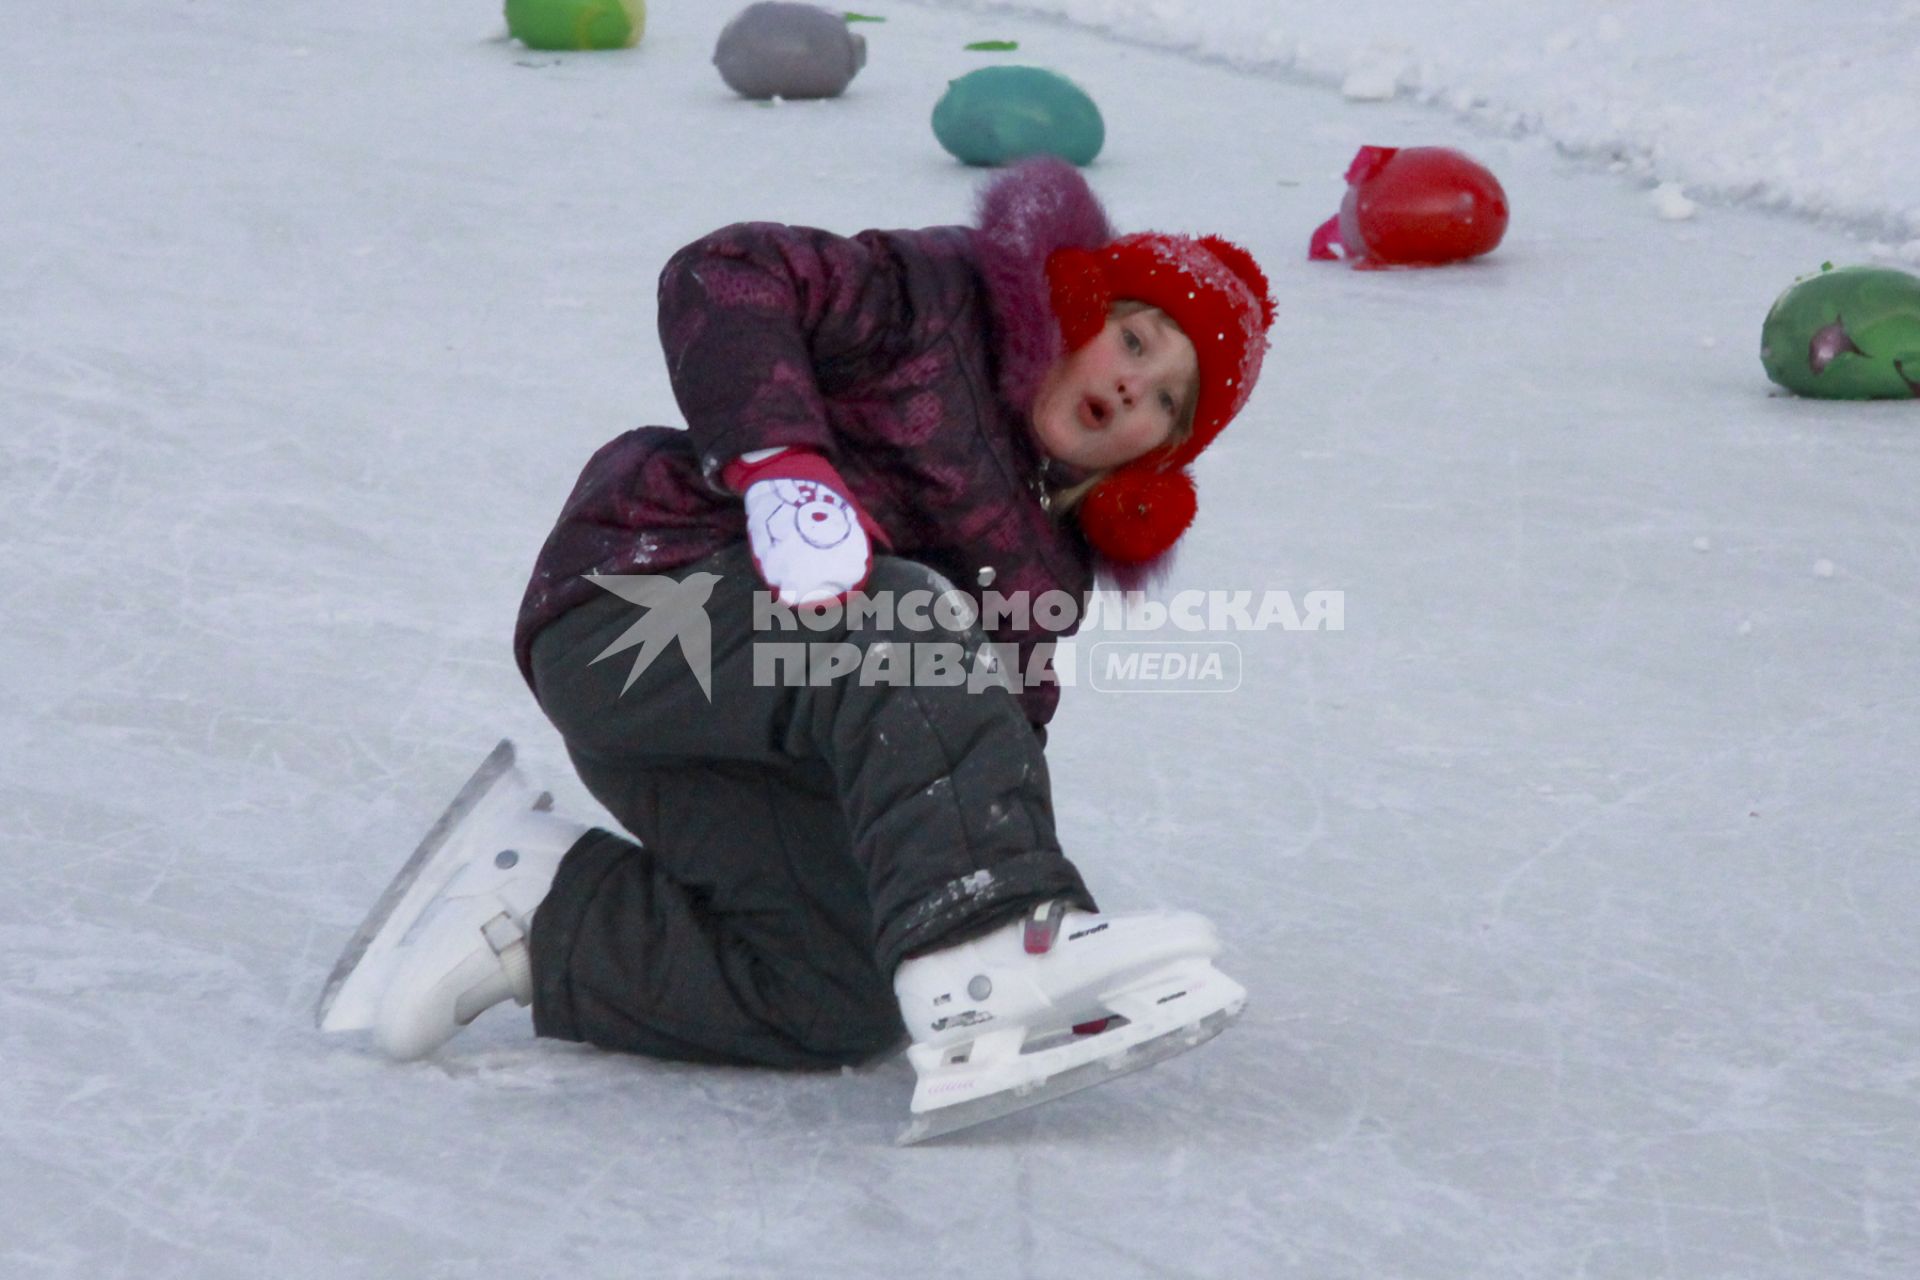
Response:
column 1773, row 102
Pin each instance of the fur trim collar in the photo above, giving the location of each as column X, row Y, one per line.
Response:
column 1025, row 213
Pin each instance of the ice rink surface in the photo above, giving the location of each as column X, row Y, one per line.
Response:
column 1573, row 881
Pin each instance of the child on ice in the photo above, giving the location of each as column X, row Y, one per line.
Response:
column 815, row 867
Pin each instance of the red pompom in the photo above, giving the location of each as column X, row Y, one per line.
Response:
column 1241, row 263
column 1080, row 296
column 1138, row 513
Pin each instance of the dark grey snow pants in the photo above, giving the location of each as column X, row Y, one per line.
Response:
column 794, row 843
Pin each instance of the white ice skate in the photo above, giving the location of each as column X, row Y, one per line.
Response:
column 1055, row 1003
column 448, row 938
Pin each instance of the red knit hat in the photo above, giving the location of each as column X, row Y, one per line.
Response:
column 1216, row 293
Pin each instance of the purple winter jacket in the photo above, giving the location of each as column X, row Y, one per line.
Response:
column 909, row 359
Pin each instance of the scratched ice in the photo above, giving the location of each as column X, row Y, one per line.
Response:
column 1573, row 880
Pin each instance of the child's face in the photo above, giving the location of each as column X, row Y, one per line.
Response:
column 1118, row 397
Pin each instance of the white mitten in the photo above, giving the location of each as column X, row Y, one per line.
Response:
column 805, row 532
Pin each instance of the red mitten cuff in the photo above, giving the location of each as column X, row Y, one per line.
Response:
column 808, row 467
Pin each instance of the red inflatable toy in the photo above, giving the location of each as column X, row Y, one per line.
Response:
column 1414, row 206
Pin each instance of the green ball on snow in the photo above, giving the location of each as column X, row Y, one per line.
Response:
column 577, row 24
column 1850, row 334
column 997, row 115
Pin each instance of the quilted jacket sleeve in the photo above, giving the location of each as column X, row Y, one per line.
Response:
column 754, row 316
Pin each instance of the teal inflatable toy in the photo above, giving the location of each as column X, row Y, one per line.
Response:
column 997, row 115
column 576, row 24
column 1846, row 334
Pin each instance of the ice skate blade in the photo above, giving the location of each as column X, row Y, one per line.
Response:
column 976, row 1111
column 352, row 993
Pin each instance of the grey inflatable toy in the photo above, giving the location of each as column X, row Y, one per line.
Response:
column 780, row 50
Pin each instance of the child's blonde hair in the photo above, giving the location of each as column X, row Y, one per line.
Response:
column 1065, row 500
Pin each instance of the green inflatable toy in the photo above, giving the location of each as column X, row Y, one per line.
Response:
column 997, row 115
column 1846, row 334
column 577, row 24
